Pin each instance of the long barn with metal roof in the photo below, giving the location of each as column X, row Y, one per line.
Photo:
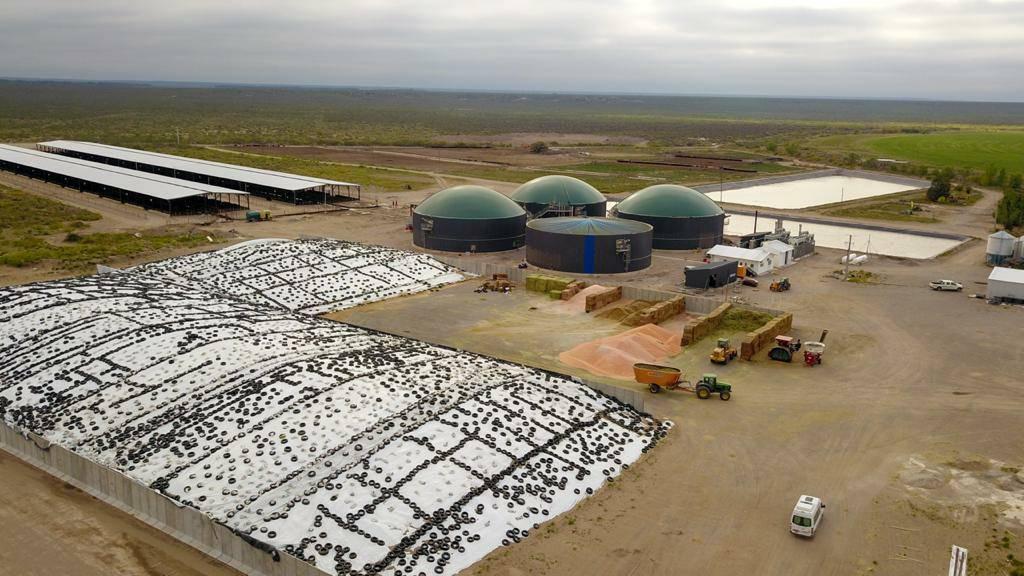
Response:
column 151, row 191
column 281, row 186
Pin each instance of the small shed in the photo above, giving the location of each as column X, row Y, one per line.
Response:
column 712, row 275
column 1006, row 285
column 758, row 261
column 783, row 252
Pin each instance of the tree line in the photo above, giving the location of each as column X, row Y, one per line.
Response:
column 1010, row 210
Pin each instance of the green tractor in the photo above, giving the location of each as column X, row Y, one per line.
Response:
column 709, row 384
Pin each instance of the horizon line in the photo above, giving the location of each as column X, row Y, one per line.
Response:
column 211, row 84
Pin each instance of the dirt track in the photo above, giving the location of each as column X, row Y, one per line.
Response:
column 49, row 528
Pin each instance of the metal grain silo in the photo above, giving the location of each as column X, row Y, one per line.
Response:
column 683, row 219
column 556, row 195
column 468, row 219
column 999, row 247
column 588, row 245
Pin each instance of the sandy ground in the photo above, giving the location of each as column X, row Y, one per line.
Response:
column 909, row 430
column 899, row 385
column 427, row 159
column 49, row 527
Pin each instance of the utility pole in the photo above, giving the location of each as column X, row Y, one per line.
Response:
column 846, row 269
column 177, row 136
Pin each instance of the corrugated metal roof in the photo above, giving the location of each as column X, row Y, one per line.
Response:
column 269, row 178
column 1007, row 275
column 153, row 185
column 738, row 253
column 777, row 246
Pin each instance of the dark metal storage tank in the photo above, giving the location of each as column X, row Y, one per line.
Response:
column 468, row 219
column 588, row 245
column 683, row 219
column 555, row 195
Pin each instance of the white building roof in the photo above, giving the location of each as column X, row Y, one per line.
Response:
column 724, row 251
column 776, row 246
column 1002, row 234
column 269, row 178
column 153, row 185
column 1007, row 275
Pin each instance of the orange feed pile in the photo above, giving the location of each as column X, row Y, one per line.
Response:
column 614, row 356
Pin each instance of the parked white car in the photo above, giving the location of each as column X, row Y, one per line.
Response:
column 807, row 516
column 945, row 285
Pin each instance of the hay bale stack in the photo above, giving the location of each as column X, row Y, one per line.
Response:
column 545, row 284
column 764, row 336
column 573, row 289
column 701, row 327
column 595, row 301
column 656, row 313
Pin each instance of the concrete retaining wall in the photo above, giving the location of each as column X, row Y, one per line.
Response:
column 633, row 397
column 765, row 336
column 880, row 176
column 183, row 523
column 485, row 269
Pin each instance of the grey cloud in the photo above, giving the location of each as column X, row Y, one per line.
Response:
column 955, row 50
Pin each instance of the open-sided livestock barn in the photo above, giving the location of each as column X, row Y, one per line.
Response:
column 266, row 183
column 151, row 191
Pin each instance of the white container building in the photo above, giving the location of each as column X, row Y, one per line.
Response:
column 758, row 260
column 1006, row 284
column 783, row 252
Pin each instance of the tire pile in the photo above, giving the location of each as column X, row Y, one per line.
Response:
column 359, row 452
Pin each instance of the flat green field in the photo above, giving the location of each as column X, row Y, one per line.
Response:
column 977, row 150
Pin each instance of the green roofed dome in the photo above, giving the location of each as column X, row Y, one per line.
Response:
column 557, row 189
column 589, row 226
column 469, row 202
column 669, row 201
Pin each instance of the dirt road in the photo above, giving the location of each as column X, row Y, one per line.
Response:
column 48, row 527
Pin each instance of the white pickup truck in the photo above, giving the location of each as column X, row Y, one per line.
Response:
column 945, row 285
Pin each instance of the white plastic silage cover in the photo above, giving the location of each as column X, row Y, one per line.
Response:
column 360, row 452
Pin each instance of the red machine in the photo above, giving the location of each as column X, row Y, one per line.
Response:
column 813, row 351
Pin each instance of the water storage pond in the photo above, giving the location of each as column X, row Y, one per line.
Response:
column 889, row 243
column 807, row 192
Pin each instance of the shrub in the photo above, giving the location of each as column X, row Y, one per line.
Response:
column 941, row 185
column 538, row 148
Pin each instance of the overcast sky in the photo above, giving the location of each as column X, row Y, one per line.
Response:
column 971, row 50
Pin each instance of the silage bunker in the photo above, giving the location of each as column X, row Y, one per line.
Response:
column 356, row 451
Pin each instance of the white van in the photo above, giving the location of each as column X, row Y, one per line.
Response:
column 806, row 516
